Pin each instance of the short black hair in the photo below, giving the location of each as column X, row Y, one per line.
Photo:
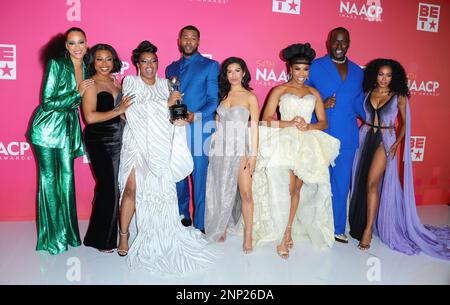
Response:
column 298, row 53
column 104, row 47
column 144, row 47
column 399, row 82
column 336, row 30
column 224, row 84
column 189, row 28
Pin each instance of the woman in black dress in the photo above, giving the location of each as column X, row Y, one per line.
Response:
column 102, row 106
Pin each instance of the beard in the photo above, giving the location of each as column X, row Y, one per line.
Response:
column 338, row 56
column 189, row 53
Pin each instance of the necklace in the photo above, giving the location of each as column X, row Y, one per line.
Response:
column 383, row 92
column 339, row 61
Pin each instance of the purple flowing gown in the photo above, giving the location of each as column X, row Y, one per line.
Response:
column 397, row 223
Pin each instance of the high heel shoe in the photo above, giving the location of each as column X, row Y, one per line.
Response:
column 222, row 237
column 107, row 251
column 283, row 253
column 289, row 241
column 120, row 251
column 247, row 235
column 364, row 246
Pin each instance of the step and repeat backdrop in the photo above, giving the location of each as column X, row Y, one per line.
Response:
column 413, row 32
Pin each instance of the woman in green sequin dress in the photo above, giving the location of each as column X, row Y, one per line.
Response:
column 55, row 133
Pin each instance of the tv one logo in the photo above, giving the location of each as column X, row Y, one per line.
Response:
column 428, row 17
column 370, row 11
column 417, row 144
column 15, row 151
column 286, row 6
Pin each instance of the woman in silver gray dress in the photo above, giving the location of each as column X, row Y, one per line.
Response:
column 232, row 156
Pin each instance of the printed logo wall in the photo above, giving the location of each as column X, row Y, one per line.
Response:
column 7, row 61
column 256, row 30
column 428, row 17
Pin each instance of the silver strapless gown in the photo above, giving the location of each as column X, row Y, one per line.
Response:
column 229, row 144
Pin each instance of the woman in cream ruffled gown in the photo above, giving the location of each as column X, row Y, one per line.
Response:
column 291, row 184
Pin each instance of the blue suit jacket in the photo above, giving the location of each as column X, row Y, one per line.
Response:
column 342, row 119
column 199, row 82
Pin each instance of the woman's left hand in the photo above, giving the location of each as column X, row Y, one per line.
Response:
column 300, row 123
column 305, row 127
column 116, row 82
column 393, row 150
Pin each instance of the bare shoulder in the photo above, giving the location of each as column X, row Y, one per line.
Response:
column 252, row 98
column 313, row 91
column 279, row 90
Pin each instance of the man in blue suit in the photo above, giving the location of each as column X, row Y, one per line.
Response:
column 198, row 77
column 339, row 81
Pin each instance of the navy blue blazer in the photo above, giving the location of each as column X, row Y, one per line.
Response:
column 342, row 119
column 199, row 82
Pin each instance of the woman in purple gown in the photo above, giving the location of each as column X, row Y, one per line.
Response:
column 378, row 199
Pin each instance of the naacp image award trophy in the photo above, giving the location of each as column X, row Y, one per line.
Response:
column 178, row 111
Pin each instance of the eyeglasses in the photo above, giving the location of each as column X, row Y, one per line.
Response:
column 149, row 60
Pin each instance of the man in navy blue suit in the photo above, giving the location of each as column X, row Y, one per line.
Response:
column 339, row 81
column 198, row 77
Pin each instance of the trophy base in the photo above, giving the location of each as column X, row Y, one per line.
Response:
column 178, row 112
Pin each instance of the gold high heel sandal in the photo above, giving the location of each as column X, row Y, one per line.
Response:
column 284, row 254
column 364, row 247
column 223, row 237
column 120, row 251
column 289, row 241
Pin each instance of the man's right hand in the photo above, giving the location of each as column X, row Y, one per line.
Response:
column 190, row 117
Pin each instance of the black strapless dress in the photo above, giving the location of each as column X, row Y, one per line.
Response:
column 103, row 142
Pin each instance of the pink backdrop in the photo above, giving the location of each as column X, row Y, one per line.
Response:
column 410, row 31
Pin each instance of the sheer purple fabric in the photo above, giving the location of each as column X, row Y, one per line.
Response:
column 398, row 224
